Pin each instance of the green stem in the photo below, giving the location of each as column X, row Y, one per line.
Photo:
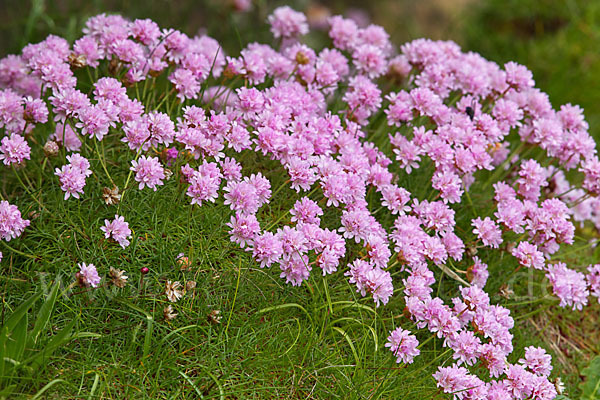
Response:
column 101, row 157
column 129, row 178
column 26, row 189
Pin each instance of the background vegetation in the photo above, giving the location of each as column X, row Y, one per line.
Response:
column 275, row 341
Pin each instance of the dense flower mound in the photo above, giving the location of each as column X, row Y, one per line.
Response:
column 343, row 123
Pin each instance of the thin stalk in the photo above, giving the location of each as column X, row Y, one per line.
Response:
column 101, row 157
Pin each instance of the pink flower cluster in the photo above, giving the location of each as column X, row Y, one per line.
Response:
column 118, row 229
column 310, row 114
column 11, row 223
column 72, row 176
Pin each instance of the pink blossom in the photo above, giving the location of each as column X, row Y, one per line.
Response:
column 487, row 231
column 118, row 229
column 11, row 223
column 14, row 149
column 403, row 345
column 286, row 22
column 89, row 274
column 148, row 172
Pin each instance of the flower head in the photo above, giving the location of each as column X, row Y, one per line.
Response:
column 88, row 275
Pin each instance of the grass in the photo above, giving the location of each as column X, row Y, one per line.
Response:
column 320, row 340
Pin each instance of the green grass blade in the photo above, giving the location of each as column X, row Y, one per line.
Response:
column 15, row 344
column 16, row 316
column 62, row 337
column 286, row 305
column 43, row 316
column 148, row 337
column 46, row 387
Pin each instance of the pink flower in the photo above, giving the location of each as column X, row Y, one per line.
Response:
column 148, row 172
column 403, row 345
column 145, row 30
column 118, row 229
column 35, row 110
column 71, row 140
column 395, row 199
column 344, row 32
column 14, row 149
column 449, row 184
column 267, row 249
column 185, row 83
column 204, row 183
column 286, row 22
column 363, row 98
column 72, row 179
column 518, row 76
column 88, row 274
column 371, row 279
column 569, row 285
column 478, row 273
column 306, row 211
column 370, row 60
column 11, row 223
column 537, row 361
column 94, row 122
column 244, row 227
column 529, row 256
column 487, row 231
column 242, row 197
column 466, row 347
column 110, row 89
column 81, row 163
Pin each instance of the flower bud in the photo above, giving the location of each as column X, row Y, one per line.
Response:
column 51, row 148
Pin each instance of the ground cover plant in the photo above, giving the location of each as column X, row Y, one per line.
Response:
column 350, row 221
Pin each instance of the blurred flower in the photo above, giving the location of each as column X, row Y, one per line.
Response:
column 214, row 317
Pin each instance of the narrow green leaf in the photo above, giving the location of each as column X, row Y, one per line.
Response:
column 148, row 338
column 590, row 388
column 15, row 344
column 14, row 318
column 3, row 338
column 62, row 337
column 43, row 315
column 46, row 387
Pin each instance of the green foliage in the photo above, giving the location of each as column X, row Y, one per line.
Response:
column 25, row 352
column 590, row 388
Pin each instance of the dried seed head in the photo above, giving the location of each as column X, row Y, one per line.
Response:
column 302, row 58
column 51, row 148
column 77, row 61
column 559, row 385
column 173, row 291
column 183, row 262
column 168, row 313
column 111, row 196
column 118, row 277
column 214, row 317
column 471, row 251
column 190, row 285
column 505, row 291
